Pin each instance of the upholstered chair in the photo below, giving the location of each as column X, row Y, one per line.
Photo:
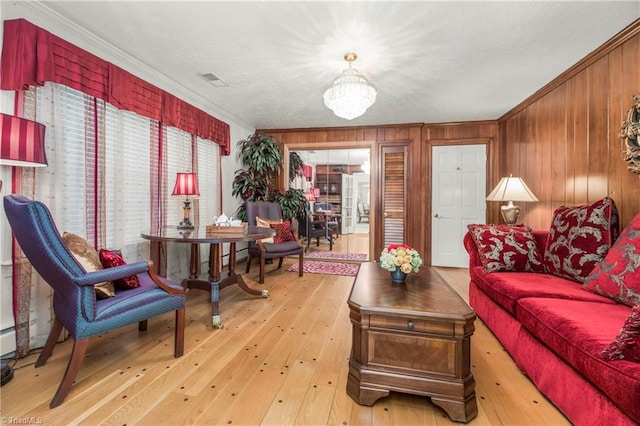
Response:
column 312, row 226
column 363, row 212
column 271, row 250
column 333, row 220
column 75, row 305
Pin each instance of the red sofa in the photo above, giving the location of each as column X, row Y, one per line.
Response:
column 556, row 331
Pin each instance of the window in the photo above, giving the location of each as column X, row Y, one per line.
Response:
column 101, row 166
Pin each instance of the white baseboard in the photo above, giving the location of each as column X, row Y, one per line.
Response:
column 7, row 342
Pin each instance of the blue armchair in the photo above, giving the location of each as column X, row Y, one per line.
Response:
column 74, row 300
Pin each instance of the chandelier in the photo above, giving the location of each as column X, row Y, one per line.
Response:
column 350, row 94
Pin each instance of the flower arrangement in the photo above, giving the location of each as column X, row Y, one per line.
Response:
column 400, row 256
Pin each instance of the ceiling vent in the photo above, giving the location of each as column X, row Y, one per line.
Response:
column 214, row 80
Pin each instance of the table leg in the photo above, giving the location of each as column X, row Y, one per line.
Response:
column 194, row 261
column 214, row 280
column 214, row 283
column 232, row 258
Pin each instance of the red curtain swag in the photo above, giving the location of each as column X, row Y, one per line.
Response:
column 32, row 55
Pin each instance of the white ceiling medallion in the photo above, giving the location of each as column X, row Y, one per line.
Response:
column 350, row 94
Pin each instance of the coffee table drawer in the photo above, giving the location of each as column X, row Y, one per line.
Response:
column 411, row 325
column 416, row 355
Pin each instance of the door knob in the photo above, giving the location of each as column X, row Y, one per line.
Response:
column 385, row 214
column 436, row 215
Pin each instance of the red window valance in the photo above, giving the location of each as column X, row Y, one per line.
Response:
column 32, row 55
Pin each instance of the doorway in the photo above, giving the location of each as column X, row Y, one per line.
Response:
column 340, row 181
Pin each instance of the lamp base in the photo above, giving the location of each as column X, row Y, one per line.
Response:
column 7, row 374
column 186, row 222
column 510, row 213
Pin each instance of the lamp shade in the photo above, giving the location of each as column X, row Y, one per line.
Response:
column 511, row 189
column 307, row 172
column 21, row 142
column 186, row 184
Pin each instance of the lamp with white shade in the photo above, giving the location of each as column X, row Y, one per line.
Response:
column 186, row 186
column 511, row 189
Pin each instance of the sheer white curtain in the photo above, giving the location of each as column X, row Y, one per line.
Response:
column 208, row 169
column 180, row 153
column 62, row 186
column 178, row 158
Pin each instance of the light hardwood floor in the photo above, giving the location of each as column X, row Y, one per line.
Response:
column 279, row 360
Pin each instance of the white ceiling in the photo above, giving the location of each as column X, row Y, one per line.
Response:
column 430, row 61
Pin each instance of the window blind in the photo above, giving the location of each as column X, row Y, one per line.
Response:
column 127, row 199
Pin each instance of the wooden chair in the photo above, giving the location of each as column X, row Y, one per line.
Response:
column 74, row 297
column 262, row 250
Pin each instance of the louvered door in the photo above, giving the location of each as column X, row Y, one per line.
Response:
column 393, row 191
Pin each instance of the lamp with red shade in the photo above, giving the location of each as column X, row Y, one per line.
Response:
column 21, row 145
column 186, row 186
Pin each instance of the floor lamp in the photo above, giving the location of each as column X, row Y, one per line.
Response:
column 21, row 145
column 511, row 189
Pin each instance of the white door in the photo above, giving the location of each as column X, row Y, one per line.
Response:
column 347, row 204
column 458, row 199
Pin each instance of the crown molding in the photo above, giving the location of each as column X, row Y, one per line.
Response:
column 63, row 27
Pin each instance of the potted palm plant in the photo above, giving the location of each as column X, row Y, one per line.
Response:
column 262, row 159
column 293, row 202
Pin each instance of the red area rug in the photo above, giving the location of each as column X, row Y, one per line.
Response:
column 336, row 255
column 328, row 268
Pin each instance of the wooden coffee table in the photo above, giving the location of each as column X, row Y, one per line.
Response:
column 414, row 338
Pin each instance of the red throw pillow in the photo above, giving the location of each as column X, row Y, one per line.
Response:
column 626, row 345
column 579, row 238
column 109, row 259
column 283, row 232
column 618, row 275
column 506, row 248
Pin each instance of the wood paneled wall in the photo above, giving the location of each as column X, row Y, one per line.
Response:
column 563, row 141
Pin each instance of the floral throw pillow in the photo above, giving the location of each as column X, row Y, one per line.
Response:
column 579, row 238
column 283, row 232
column 626, row 345
column 506, row 248
column 87, row 256
column 618, row 275
column 109, row 259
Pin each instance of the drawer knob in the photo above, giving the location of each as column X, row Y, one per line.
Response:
column 410, row 325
